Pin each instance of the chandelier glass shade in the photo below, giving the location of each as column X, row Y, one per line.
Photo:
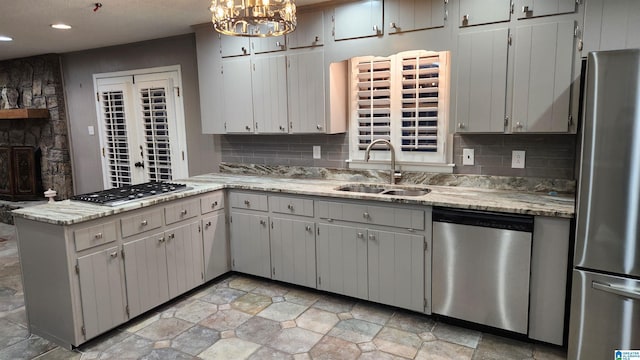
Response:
column 254, row 18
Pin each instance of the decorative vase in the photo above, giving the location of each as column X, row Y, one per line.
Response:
column 10, row 98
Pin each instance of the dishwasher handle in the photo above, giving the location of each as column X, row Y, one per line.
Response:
column 494, row 220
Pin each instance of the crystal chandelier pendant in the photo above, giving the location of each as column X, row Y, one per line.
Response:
column 254, row 18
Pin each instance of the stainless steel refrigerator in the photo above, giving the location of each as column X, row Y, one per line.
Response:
column 605, row 297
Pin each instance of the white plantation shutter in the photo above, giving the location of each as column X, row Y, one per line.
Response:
column 404, row 99
column 114, row 114
column 373, row 100
column 156, row 141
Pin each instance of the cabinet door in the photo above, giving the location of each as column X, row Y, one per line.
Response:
column 216, row 246
column 342, row 260
column 145, row 268
column 305, row 78
column 250, row 244
column 236, row 90
column 474, row 12
column 309, row 31
column 234, row 45
column 209, row 80
column 267, row 44
column 184, row 258
column 102, row 291
column 269, row 80
column 396, row 269
column 482, row 81
column 542, row 77
column 611, row 25
column 410, row 15
column 293, row 251
column 358, row 19
column 535, row 8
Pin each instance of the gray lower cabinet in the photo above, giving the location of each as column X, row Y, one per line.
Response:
column 250, row 251
column 102, row 291
column 216, row 246
column 293, row 251
column 184, row 258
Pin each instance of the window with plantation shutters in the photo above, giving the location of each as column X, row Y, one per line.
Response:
column 142, row 128
column 403, row 98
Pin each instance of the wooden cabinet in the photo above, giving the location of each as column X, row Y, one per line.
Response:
column 237, row 108
column 543, row 77
column 611, row 25
column 358, row 19
column 250, row 251
column 309, row 31
column 534, row 8
column 482, row 77
column 269, row 92
column 293, row 251
column 102, row 291
column 411, row 15
column 342, row 260
column 473, row 12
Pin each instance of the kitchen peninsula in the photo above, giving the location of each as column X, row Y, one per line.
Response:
column 89, row 268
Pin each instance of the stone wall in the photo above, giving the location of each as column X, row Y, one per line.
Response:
column 39, row 84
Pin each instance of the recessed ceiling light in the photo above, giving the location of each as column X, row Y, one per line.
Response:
column 61, row 26
column 5, row 38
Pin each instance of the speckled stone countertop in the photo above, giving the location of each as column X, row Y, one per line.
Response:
column 69, row 212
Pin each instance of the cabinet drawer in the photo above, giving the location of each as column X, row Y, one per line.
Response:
column 212, row 202
column 249, row 201
column 140, row 223
column 371, row 214
column 95, row 235
column 291, row 205
column 181, row 211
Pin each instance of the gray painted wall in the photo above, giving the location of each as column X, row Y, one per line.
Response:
column 78, row 69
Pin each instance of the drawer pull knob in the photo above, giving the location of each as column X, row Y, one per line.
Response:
column 290, row 207
column 262, row 222
column 372, row 237
column 360, row 235
column 172, row 236
column 247, row 203
column 316, row 39
column 214, row 204
column 208, row 224
column 114, row 254
column 98, row 236
column 161, row 240
column 308, row 228
column 365, row 215
column 183, row 212
column 143, row 223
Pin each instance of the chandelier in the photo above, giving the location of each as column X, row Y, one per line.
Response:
column 255, row 18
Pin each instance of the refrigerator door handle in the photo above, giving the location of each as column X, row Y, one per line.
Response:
column 618, row 290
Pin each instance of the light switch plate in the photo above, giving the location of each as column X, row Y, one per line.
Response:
column 316, row 152
column 467, row 157
column 517, row 159
column 91, row 130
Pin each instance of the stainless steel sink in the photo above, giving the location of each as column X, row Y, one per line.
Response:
column 392, row 190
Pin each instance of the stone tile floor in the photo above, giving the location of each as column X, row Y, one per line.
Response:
column 241, row 317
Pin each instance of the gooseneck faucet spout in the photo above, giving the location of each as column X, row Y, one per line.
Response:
column 395, row 175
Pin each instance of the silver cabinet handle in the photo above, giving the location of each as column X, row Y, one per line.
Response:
column 207, row 225
column 172, row 236
column 183, row 212
column 393, row 25
column 618, row 290
column 365, row 215
column 278, row 44
column 98, row 236
column 290, row 207
column 319, row 127
column 518, row 125
column 247, row 203
column 460, row 126
column 372, row 237
column 143, row 223
column 375, row 29
column 308, row 228
column 248, row 128
column 244, row 50
column 360, row 235
column 161, row 240
column 465, row 17
column 114, row 254
column 263, row 223
column 214, row 204
column 316, row 39
column 526, row 9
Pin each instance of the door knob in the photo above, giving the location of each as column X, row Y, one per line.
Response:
column 139, row 164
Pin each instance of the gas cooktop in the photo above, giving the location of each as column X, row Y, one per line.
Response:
column 130, row 193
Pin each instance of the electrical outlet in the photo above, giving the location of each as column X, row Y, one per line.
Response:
column 316, row 152
column 467, row 157
column 517, row 159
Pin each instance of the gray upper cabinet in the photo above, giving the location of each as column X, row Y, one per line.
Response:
column 611, row 25
column 269, row 91
column 544, row 57
column 209, row 80
column 268, row 44
column 533, row 8
column 234, row 45
column 306, row 92
column 410, row 15
column 358, row 19
column 474, row 12
column 482, row 77
column 237, row 108
column 309, row 31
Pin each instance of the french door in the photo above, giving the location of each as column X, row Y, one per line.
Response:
column 142, row 134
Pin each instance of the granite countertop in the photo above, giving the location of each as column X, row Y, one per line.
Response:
column 69, row 212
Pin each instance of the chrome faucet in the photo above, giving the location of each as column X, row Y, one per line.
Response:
column 395, row 175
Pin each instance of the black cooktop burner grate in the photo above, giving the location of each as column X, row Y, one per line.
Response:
column 125, row 194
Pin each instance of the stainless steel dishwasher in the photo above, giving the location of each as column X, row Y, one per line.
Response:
column 481, row 265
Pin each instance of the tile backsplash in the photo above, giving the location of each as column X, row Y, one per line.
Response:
column 547, row 156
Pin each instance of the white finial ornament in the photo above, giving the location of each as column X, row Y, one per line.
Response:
column 50, row 194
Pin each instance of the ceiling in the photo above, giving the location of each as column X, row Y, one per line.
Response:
column 116, row 22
